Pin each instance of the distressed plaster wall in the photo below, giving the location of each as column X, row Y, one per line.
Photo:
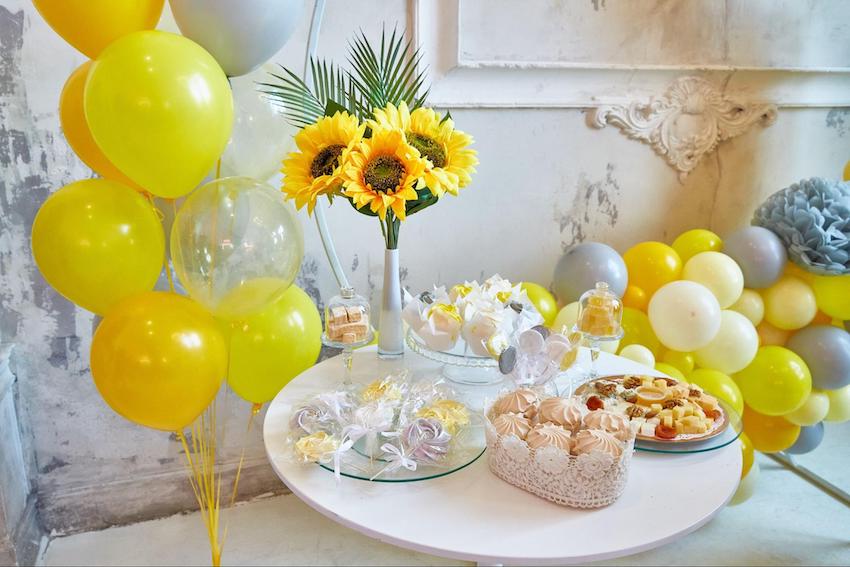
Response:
column 545, row 181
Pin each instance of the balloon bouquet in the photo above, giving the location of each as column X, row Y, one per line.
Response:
column 736, row 317
column 153, row 113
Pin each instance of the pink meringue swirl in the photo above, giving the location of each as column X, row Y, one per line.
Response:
column 560, row 411
column 546, row 434
column 512, row 424
column 518, row 401
column 613, row 423
column 590, row 440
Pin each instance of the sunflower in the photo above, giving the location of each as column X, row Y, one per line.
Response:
column 316, row 169
column 383, row 172
column 450, row 160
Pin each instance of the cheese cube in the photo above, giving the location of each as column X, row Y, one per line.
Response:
column 680, row 428
column 655, row 407
column 647, row 429
column 667, row 421
column 678, row 412
column 660, row 383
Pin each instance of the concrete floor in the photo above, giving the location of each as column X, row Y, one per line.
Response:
column 786, row 522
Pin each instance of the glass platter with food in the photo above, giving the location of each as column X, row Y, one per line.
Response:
column 662, row 410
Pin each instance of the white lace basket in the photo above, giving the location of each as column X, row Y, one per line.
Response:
column 590, row 480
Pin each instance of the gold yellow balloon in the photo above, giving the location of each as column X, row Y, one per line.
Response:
column 720, row 385
column 793, row 270
column 160, row 109
column 839, row 404
column 73, row 120
column 637, row 330
column 669, row 370
column 813, row 410
column 747, row 454
column 635, row 298
column 271, row 348
column 789, row 304
column 776, row 382
column 690, row 243
column 98, row 241
column 769, row 434
column 833, row 295
column 651, row 265
column 684, row 361
column 542, row 300
column 770, row 335
column 91, row 25
column 158, row 359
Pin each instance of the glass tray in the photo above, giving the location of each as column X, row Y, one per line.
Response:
column 729, row 435
column 466, row 448
column 459, row 366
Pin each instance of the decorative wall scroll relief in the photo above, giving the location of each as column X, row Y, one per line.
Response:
column 685, row 123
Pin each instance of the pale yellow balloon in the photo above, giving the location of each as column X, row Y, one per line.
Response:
column 813, row 410
column 566, row 318
column 747, row 487
column 839, row 404
column 719, row 273
column 750, row 305
column 639, row 354
column 610, row 347
column 790, row 304
column 733, row 347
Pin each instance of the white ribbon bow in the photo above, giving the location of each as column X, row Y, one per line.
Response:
column 396, row 459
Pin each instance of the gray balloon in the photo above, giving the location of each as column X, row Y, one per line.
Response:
column 809, row 439
column 583, row 265
column 241, row 35
column 759, row 253
column 826, row 351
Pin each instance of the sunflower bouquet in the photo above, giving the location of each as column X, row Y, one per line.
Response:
column 367, row 136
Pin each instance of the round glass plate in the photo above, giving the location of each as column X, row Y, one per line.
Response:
column 459, row 365
column 467, row 446
column 729, row 435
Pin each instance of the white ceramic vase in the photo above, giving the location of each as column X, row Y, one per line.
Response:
column 391, row 339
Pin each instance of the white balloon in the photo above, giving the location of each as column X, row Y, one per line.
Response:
column 684, row 315
column 734, row 346
column 719, row 273
column 261, row 135
column 639, row 354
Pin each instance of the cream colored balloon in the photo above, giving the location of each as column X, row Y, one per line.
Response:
column 790, row 304
column 639, row 354
column 684, row 315
column 719, row 273
column 839, row 404
column 734, row 346
column 750, row 305
column 566, row 318
column 609, row 346
column 747, row 486
column 813, row 410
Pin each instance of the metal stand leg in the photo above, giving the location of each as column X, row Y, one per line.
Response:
column 789, row 463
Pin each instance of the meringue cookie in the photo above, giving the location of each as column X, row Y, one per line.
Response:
column 560, row 411
column 518, row 401
column 590, row 440
column 426, row 439
column 512, row 424
column 546, row 434
column 615, row 424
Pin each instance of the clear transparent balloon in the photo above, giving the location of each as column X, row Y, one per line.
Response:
column 236, row 246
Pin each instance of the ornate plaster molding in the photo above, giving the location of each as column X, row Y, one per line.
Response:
column 687, row 122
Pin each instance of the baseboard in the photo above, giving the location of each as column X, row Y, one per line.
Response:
column 67, row 510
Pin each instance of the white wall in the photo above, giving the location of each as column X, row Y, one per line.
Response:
column 546, row 180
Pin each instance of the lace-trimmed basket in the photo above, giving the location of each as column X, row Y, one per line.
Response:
column 591, row 480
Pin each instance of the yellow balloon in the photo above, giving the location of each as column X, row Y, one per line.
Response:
column 690, row 243
column 684, row 361
column 160, row 109
column 98, row 241
column 839, row 404
column 635, row 298
column 813, row 410
column 637, row 330
column 73, row 121
column 158, row 359
column 789, row 304
column 769, row 434
column 670, row 371
column 719, row 273
column 542, row 300
column 651, row 265
column 271, row 348
column 720, row 385
column 91, row 25
column 833, row 295
column 747, row 454
column 770, row 335
column 776, row 382
column 639, row 354
column 566, row 319
column 750, row 305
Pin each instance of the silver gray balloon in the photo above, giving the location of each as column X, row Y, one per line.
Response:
column 809, row 439
column 583, row 265
column 826, row 351
column 760, row 254
column 240, row 34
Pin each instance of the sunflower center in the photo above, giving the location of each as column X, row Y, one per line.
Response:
column 384, row 173
column 428, row 147
column 326, row 161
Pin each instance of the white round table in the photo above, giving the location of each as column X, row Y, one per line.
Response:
column 473, row 515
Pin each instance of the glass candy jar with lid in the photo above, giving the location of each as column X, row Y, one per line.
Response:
column 600, row 315
column 347, row 325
